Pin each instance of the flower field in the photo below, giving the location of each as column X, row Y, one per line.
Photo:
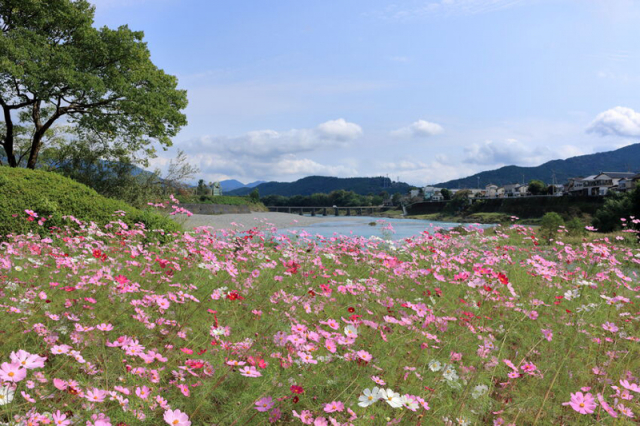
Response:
column 113, row 326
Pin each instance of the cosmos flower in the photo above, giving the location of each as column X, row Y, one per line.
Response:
column 176, row 418
column 583, row 404
column 6, row 395
column 264, row 404
column 13, row 372
column 392, row 398
column 369, row 397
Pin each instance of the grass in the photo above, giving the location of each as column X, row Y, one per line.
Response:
column 467, row 327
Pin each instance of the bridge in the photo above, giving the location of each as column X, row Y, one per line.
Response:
column 336, row 211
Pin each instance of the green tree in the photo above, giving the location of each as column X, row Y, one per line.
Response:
column 537, row 187
column 550, row 223
column 619, row 206
column 55, row 65
column 446, row 194
column 254, row 195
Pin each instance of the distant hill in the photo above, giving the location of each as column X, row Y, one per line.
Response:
column 324, row 184
column 232, row 184
column 621, row 160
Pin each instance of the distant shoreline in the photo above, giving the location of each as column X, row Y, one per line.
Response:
column 245, row 221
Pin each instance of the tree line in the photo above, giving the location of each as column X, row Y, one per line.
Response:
column 339, row 198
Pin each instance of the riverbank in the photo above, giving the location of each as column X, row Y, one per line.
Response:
column 244, row 221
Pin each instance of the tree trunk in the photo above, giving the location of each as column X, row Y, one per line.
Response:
column 36, row 144
column 8, row 138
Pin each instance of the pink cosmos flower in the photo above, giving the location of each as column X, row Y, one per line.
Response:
column 583, row 404
column 264, row 404
column 631, row 386
column 365, row 356
column 609, row 326
column 27, row 360
column 143, row 392
column 250, row 372
column 334, row 406
column 96, row 395
column 176, row 418
column 12, row 372
column 104, row 327
column 548, row 334
column 378, row 380
column 626, row 411
column 59, row 384
column 306, row 417
column 606, row 406
column 60, row 419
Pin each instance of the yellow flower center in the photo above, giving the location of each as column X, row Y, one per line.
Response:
column 11, row 374
column 582, row 404
column 175, row 422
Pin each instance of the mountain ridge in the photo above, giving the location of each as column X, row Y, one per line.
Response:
column 619, row 160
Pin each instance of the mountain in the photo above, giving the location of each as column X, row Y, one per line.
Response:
column 325, row 184
column 232, row 184
column 626, row 159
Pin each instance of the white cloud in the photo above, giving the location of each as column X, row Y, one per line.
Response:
column 271, row 143
column 618, row 121
column 340, row 130
column 271, row 154
column 514, row 152
column 419, row 129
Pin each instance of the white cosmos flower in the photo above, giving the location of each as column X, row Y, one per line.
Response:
column 6, row 395
column 369, row 397
column 392, row 398
column 435, row 365
column 351, row 331
column 409, row 403
column 449, row 373
column 479, row 391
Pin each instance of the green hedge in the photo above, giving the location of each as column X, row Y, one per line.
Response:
column 53, row 196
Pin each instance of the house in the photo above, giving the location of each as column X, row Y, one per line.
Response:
column 414, row 193
column 515, row 190
column 579, row 185
column 491, row 191
column 431, row 193
column 604, row 182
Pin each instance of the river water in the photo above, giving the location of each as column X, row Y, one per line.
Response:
column 366, row 226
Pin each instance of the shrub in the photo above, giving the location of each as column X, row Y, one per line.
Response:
column 53, row 196
column 550, row 223
column 576, row 227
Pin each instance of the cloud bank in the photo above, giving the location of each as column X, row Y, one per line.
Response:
column 618, row 121
column 277, row 154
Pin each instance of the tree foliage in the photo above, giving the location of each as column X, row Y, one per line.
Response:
column 55, row 65
column 616, row 207
column 537, row 187
column 550, row 223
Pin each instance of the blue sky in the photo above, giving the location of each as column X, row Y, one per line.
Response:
column 423, row 90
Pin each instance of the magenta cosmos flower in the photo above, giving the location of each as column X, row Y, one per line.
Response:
column 264, row 404
column 583, row 404
column 176, row 418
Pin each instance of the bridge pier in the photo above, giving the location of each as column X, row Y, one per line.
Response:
column 301, row 212
column 324, row 211
column 313, row 211
column 348, row 211
column 359, row 212
column 337, row 212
